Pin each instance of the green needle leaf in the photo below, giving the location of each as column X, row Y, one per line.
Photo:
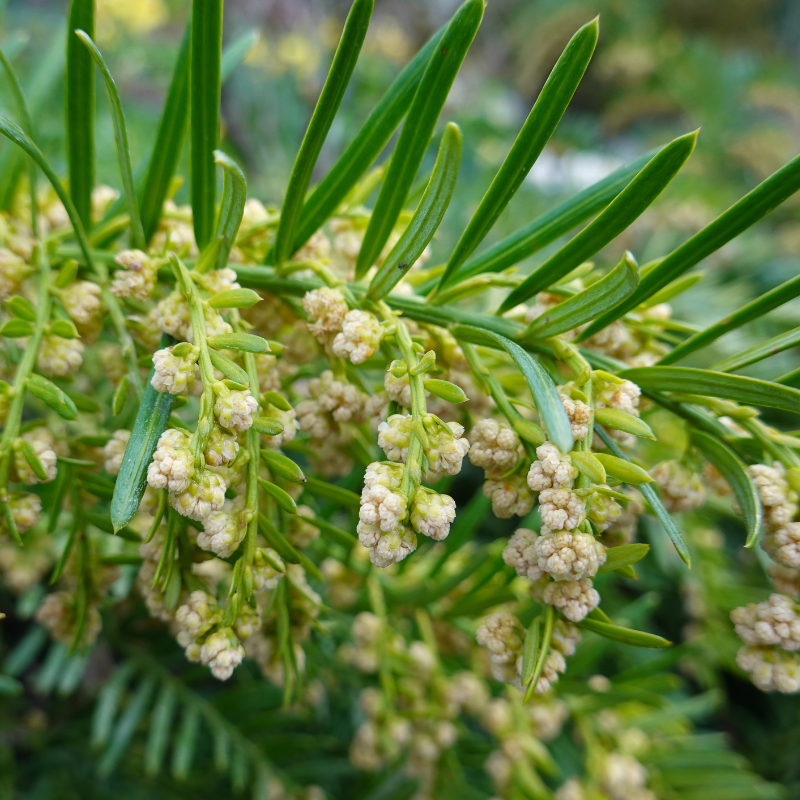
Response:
column 344, row 62
column 426, row 219
column 80, row 110
column 169, row 141
column 186, row 743
column 738, row 388
column 248, row 342
column 27, row 126
column 547, row 228
column 586, row 305
column 734, row 470
column 629, row 204
column 232, row 370
column 151, row 422
column 121, row 139
column 747, row 313
column 53, row 396
column 750, row 209
column 361, row 153
column 108, row 703
column 624, row 469
column 281, row 497
column 534, row 135
column 624, row 635
column 545, row 395
column 418, row 129
column 651, row 496
column 231, row 210
column 758, row 352
column 204, row 83
column 622, row 421
column 332, row 492
column 158, row 736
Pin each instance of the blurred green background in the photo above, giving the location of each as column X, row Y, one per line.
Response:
column 662, row 67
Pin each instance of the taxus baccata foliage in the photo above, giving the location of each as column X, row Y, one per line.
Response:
column 235, row 426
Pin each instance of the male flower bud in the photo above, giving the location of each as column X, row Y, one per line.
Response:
column 432, row 513
column 221, row 447
column 359, row 338
column 174, row 368
column 569, row 555
column 447, row 446
column 326, row 311
column 138, row 276
column 59, row 356
column 394, row 437
column 171, row 466
column 495, row 447
column 551, row 470
column 234, row 409
column 200, row 497
column 574, row 599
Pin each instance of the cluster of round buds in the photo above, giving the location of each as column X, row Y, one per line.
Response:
column 234, row 408
column 551, row 470
column 330, row 403
column 203, row 495
column 495, row 447
column 137, row 278
column 57, row 612
column 624, row 778
column 394, row 436
column 447, row 446
column 771, row 669
column 432, row 513
column 383, row 508
column 561, row 509
column 520, row 554
column 114, row 451
column 289, row 421
column 774, row 622
column 26, row 509
column 510, row 496
column 786, row 580
column 42, row 443
column 222, row 653
column 372, row 640
column 326, row 310
column 574, row 599
column 398, row 389
column 221, row 447
column 171, row 467
column 501, row 635
column 580, row 415
column 569, row 555
column 359, row 338
column 219, row 280
column 13, row 271
column 681, row 489
column 223, row 529
column 603, row 510
column 777, row 499
column 174, row 368
column 81, row 300
column 622, row 396
column 57, row 356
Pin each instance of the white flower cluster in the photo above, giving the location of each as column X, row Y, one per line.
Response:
column 326, row 310
column 114, row 451
column 520, row 554
column 383, row 509
column 771, row 633
column 330, row 404
column 432, row 513
column 561, row 509
column 223, row 529
column 551, row 470
column 359, row 338
column 137, row 278
column 781, row 538
column 81, row 300
column 234, row 408
column 193, row 496
column 580, row 415
column 681, row 489
column 574, row 599
column 60, row 357
column 569, row 556
column 173, row 373
column 26, row 509
column 13, row 271
column 501, row 635
column 624, row 778
column 622, row 396
column 510, row 496
column 204, row 640
column 495, row 447
column 57, row 613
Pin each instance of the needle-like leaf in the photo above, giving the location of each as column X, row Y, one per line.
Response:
column 121, row 138
column 606, row 293
column 231, row 210
column 715, row 384
column 534, row 135
column 750, row 209
column 80, row 110
column 758, row 352
column 426, row 219
column 344, row 62
column 205, row 83
column 545, row 395
column 418, row 129
column 734, row 470
column 629, row 204
column 360, row 154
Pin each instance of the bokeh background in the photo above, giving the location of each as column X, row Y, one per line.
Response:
column 662, row 68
